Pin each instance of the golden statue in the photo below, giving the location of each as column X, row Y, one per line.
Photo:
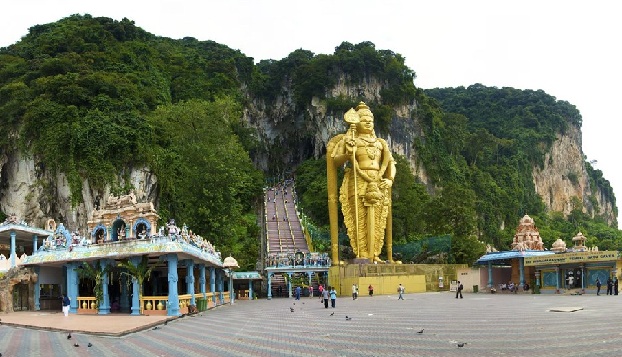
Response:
column 365, row 193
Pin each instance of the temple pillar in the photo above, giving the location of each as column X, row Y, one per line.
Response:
column 202, row 279
column 72, row 286
column 270, row 286
column 104, row 305
column 231, row 292
column 521, row 270
column 490, row 274
column 35, row 244
column 136, row 289
column 173, row 294
column 250, row 289
column 212, row 283
column 583, row 277
column 557, row 279
column 13, row 254
column 190, row 280
column 37, row 289
column 289, row 284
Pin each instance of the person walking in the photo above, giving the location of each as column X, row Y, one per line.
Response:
column 66, row 303
column 354, row 291
column 298, row 290
column 615, row 286
column 333, row 297
column 459, row 290
column 598, row 284
column 325, row 297
column 400, row 291
column 311, row 291
column 321, row 290
column 370, row 288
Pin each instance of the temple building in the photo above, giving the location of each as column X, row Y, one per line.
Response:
column 124, row 263
column 534, row 268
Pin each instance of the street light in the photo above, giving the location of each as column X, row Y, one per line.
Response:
column 229, row 264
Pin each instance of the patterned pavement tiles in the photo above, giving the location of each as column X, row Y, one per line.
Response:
column 491, row 325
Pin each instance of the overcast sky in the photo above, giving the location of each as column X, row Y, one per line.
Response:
column 569, row 49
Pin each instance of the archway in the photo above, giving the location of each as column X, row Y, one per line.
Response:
column 118, row 230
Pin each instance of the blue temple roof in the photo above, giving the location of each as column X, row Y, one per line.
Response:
column 253, row 275
column 501, row 257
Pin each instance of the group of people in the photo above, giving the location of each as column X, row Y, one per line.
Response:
column 612, row 286
column 328, row 293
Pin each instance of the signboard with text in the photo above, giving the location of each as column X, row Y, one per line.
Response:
column 570, row 258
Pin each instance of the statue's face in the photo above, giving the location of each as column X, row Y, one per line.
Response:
column 366, row 125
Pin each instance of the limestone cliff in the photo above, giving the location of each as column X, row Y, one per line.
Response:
column 35, row 195
column 564, row 176
column 281, row 127
column 289, row 135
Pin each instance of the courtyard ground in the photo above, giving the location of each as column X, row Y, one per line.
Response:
column 487, row 324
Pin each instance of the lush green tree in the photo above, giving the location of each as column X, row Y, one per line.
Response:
column 206, row 177
column 409, row 199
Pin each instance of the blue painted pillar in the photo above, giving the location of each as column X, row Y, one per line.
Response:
column 583, row 277
column 104, row 305
column 270, row 286
column 212, row 283
column 37, row 289
column 490, row 274
column 173, row 294
column 310, row 274
column 13, row 254
column 35, row 244
column 72, row 286
column 289, row 284
column 250, row 289
column 124, row 303
column 136, row 289
column 108, row 235
column 521, row 262
column 202, row 279
column 190, row 280
column 557, row 279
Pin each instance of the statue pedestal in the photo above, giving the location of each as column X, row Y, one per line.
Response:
column 359, row 261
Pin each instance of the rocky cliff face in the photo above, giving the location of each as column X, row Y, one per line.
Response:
column 35, row 195
column 564, row 176
column 279, row 127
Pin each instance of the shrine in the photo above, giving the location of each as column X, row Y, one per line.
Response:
column 123, row 264
column 534, row 268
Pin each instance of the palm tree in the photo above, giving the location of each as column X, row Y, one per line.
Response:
column 94, row 272
column 138, row 272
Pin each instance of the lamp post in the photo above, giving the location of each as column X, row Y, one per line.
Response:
column 229, row 264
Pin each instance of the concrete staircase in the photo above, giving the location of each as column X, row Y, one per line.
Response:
column 283, row 228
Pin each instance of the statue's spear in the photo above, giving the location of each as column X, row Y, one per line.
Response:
column 351, row 117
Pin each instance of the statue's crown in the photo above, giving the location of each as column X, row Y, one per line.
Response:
column 361, row 105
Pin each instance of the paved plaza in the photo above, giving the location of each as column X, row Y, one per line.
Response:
column 488, row 324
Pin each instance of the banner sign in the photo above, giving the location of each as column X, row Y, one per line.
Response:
column 570, row 258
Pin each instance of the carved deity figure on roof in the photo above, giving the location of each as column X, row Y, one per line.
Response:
column 365, row 193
